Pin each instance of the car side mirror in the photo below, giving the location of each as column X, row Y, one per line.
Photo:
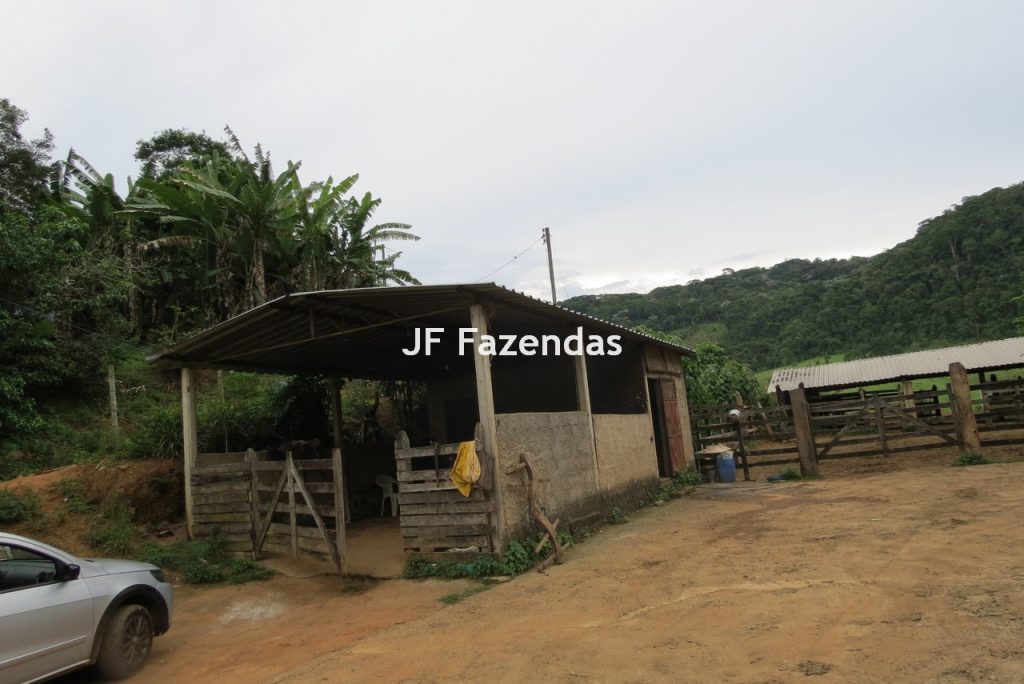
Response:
column 71, row 572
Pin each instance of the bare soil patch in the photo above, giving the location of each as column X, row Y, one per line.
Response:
column 914, row 574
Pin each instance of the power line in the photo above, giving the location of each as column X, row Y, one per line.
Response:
column 509, row 262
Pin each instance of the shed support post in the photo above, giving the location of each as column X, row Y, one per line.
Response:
column 339, row 439
column 963, row 408
column 583, row 401
column 190, row 440
column 804, row 435
column 488, row 422
column 340, row 513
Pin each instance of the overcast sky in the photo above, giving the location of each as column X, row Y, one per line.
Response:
column 660, row 141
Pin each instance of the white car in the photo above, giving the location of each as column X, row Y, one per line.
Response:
column 59, row 612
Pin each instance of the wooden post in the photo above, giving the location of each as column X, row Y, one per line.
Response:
column 804, row 432
column 254, row 498
column 190, row 440
column 340, row 514
column 907, row 390
column 112, row 390
column 221, row 395
column 880, row 422
column 292, row 515
column 963, row 408
column 488, row 423
column 339, row 436
column 583, row 401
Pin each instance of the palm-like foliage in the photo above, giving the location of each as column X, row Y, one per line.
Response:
column 360, row 264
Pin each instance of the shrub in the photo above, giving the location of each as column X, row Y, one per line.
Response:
column 203, row 561
column 790, row 473
column 17, row 505
column 970, row 458
column 112, row 530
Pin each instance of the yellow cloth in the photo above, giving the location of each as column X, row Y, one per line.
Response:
column 466, row 470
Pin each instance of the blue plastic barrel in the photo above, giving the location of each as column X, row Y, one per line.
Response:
column 726, row 467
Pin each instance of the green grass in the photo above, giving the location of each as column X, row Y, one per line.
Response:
column 203, row 561
column 970, row 458
column 459, row 596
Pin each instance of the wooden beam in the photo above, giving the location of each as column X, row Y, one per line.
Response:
column 254, row 500
column 963, row 408
column 190, row 440
column 340, row 503
column 293, row 522
column 804, row 435
column 339, row 435
column 488, row 423
column 583, row 401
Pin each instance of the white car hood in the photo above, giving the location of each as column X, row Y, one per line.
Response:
column 111, row 566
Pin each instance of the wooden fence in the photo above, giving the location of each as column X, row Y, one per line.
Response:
column 255, row 503
column 865, row 424
column 435, row 517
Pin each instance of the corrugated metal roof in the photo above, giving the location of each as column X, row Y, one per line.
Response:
column 360, row 332
column 1008, row 353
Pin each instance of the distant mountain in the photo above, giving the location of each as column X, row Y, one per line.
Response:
column 955, row 281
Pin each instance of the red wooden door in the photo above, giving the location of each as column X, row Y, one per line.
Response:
column 673, row 426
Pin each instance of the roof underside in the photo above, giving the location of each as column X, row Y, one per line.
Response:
column 361, row 333
column 986, row 356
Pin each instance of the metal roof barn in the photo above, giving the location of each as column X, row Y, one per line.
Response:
column 360, row 333
column 986, row 356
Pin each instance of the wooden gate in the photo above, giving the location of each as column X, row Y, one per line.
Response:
column 435, row 517
column 254, row 503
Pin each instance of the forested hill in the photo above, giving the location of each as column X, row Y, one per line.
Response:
column 954, row 282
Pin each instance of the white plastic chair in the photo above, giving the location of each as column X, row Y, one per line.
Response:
column 388, row 488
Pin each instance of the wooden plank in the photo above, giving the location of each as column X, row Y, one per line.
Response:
column 292, row 519
column 425, row 475
column 232, row 507
column 406, row 498
column 445, row 531
column 226, row 528
column 428, row 545
column 408, row 487
column 420, row 452
column 301, row 530
column 200, row 497
column 221, row 468
column 272, row 504
column 244, row 547
column 198, row 519
column 446, row 519
column 220, row 486
column 190, row 440
column 456, row 557
column 445, row 507
column 297, row 479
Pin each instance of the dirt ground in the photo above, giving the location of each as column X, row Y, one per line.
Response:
column 915, row 573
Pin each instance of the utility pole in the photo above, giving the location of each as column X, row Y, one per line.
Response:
column 551, row 265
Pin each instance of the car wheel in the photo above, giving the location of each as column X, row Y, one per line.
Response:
column 126, row 642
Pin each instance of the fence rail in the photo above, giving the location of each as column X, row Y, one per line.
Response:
column 855, row 425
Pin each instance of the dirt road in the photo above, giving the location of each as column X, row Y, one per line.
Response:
column 903, row 576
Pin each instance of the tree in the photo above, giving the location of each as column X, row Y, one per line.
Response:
column 24, row 164
column 173, row 149
column 58, row 311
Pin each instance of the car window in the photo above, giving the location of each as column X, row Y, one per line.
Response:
column 20, row 568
